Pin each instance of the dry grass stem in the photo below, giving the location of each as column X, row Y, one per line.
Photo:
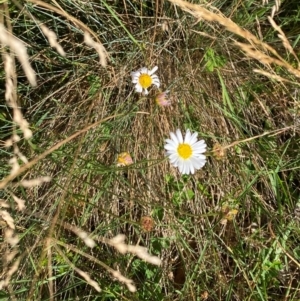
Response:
column 114, row 273
column 118, row 242
column 8, row 219
column 85, row 237
column 266, row 59
column 9, row 85
column 20, row 202
column 9, row 256
column 275, row 8
column 10, row 142
column 34, row 182
column 77, row 22
column 34, row 161
column 52, row 38
column 272, row 76
column 222, row 148
column 4, row 204
column 19, row 49
column 202, row 13
column 10, row 236
column 11, row 98
column 83, row 274
column 122, row 279
column 98, row 47
column 22, row 123
column 283, row 38
column 4, row 283
column 88, row 279
column 19, row 154
column 15, row 167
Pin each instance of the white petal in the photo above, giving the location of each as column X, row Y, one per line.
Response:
column 193, row 138
column 181, row 166
column 199, row 148
column 201, row 164
column 187, row 137
column 138, row 88
column 146, row 92
column 192, row 169
column 198, row 163
column 173, row 159
column 153, row 70
column 199, row 156
column 188, row 167
column 170, row 153
column 174, row 138
column 201, row 142
column 179, row 136
column 199, row 145
column 135, row 74
column 175, row 163
column 170, row 147
column 172, row 142
column 135, row 77
column 144, row 70
column 182, row 169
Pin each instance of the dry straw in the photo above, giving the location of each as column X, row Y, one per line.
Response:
column 83, row 274
column 275, row 7
column 88, row 33
column 255, row 49
column 97, row 46
column 116, row 274
column 52, row 38
column 118, row 242
column 14, row 47
column 283, row 38
column 19, row 49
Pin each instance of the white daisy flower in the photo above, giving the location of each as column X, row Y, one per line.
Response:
column 144, row 78
column 187, row 153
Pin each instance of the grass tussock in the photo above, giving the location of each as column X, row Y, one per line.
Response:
column 78, row 222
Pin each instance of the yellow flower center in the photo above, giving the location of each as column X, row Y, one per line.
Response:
column 184, row 150
column 145, row 80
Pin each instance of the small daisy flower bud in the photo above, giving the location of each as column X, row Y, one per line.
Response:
column 147, row 223
column 124, row 159
column 228, row 213
column 162, row 99
column 219, row 152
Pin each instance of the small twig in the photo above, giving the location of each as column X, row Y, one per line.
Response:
column 275, row 132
